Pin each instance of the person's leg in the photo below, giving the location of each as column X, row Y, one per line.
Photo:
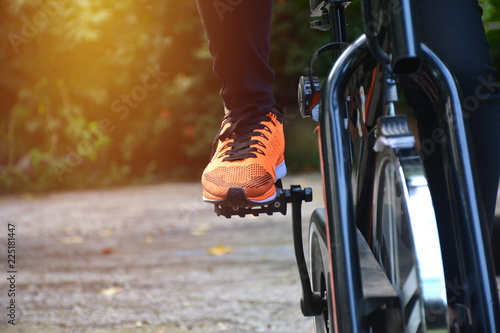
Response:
column 250, row 145
column 454, row 31
column 238, row 33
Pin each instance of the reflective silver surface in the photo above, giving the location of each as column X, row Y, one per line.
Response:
column 406, row 241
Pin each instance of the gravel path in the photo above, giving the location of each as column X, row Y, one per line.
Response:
column 142, row 259
column 138, row 258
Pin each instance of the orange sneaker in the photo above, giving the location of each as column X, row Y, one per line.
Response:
column 249, row 156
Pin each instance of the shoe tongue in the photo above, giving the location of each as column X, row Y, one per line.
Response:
column 243, row 128
column 256, row 111
column 244, row 122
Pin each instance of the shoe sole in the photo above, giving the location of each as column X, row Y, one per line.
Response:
column 280, row 171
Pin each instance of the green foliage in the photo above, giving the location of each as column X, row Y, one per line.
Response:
column 97, row 93
column 491, row 19
column 101, row 93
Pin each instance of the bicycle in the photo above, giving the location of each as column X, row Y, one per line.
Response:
column 380, row 269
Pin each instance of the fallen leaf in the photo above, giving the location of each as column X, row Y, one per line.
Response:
column 106, row 232
column 220, row 250
column 150, row 239
column 109, row 291
column 106, row 250
column 72, row 240
column 198, row 231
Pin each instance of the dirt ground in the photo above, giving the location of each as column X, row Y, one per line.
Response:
column 148, row 259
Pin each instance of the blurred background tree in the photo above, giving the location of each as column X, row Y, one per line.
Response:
column 491, row 18
column 97, row 93
column 103, row 93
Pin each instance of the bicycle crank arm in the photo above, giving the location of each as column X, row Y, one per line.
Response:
column 311, row 303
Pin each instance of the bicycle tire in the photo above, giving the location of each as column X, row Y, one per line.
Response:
column 318, row 261
column 405, row 240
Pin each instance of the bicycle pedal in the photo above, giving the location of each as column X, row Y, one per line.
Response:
column 236, row 204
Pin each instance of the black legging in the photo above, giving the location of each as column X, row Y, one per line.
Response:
column 238, row 32
column 454, row 31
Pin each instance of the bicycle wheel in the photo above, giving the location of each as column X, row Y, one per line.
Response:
column 318, row 261
column 405, row 240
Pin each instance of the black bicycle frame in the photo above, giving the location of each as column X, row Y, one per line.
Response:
column 471, row 228
column 468, row 216
column 345, row 278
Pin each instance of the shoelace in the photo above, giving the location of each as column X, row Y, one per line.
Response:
column 244, row 124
